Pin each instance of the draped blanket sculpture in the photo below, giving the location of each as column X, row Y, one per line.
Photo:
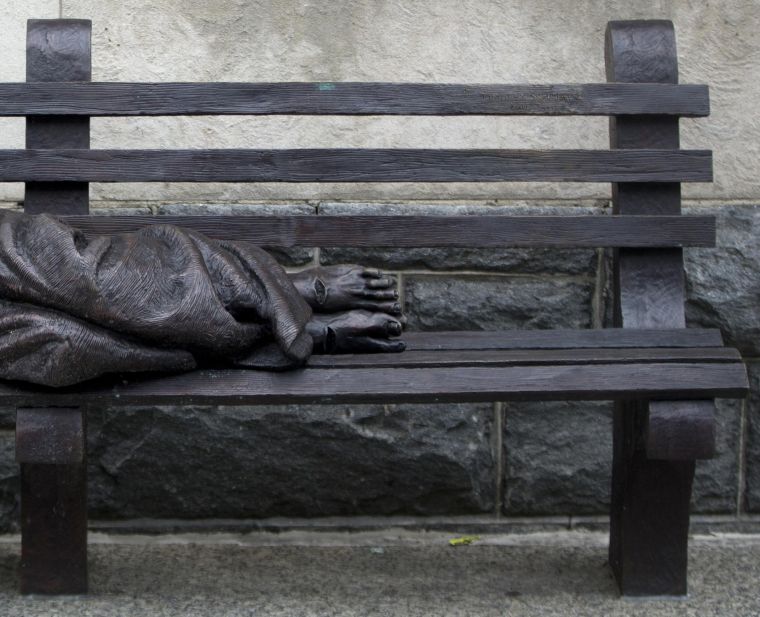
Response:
column 166, row 299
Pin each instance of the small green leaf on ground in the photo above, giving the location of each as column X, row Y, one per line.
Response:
column 463, row 540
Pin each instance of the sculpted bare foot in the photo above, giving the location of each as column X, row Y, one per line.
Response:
column 356, row 331
column 328, row 289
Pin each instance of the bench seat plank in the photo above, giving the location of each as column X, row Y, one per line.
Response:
column 678, row 380
column 562, row 339
column 418, row 231
column 355, row 165
column 526, row 357
column 350, row 98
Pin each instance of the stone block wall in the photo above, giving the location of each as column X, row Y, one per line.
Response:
column 496, row 461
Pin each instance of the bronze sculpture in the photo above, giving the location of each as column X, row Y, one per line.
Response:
column 170, row 299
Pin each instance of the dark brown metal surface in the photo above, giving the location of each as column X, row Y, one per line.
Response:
column 678, row 380
column 563, row 339
column 680, row 431
column 50, row 435
column 650, row 499
column 162, row 99
column 356, row 165
column 57, row 50
column 53, row 529
column 417, row 231
column 54, row 496
column 525, row 357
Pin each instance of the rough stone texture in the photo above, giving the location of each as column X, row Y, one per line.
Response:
column 235, row 209
column 723, row 284
column 752, row 452
column 291, row 256
column 607, row 302
column 448, row 302
column 558, row 457
column 291, row 461
column 119, row 210
column 522, row 261
column 431, row 41
column 7, row 418
column 716, row 481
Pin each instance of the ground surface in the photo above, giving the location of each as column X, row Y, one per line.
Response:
column 380, row 574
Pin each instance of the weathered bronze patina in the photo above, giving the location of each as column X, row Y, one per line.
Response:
column 168, row 299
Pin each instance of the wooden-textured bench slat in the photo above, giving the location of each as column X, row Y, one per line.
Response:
column 350, row 98
column 694, row 380
column 527, row 357
column 355, row 165
column 419, row 231
column 563, row 339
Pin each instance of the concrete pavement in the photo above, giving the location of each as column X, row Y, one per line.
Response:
column 380, row 574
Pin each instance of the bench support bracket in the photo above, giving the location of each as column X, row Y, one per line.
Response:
column 649, row 519
column 680, row 430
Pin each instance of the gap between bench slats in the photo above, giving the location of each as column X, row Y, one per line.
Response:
column 355, row 165
column 418, row 231
column 395, row 385
column 163, row 99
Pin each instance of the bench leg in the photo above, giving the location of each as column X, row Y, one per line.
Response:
column 53, row 501
column 53, row 529
column 649, row 520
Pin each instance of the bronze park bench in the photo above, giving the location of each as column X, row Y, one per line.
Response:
column 662, row 376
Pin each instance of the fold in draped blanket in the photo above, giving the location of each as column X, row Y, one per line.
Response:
column 160, row 299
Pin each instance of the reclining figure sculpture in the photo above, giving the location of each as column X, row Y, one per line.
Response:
column 169, row 299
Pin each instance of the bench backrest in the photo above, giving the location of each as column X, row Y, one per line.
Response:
column 643, row 166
